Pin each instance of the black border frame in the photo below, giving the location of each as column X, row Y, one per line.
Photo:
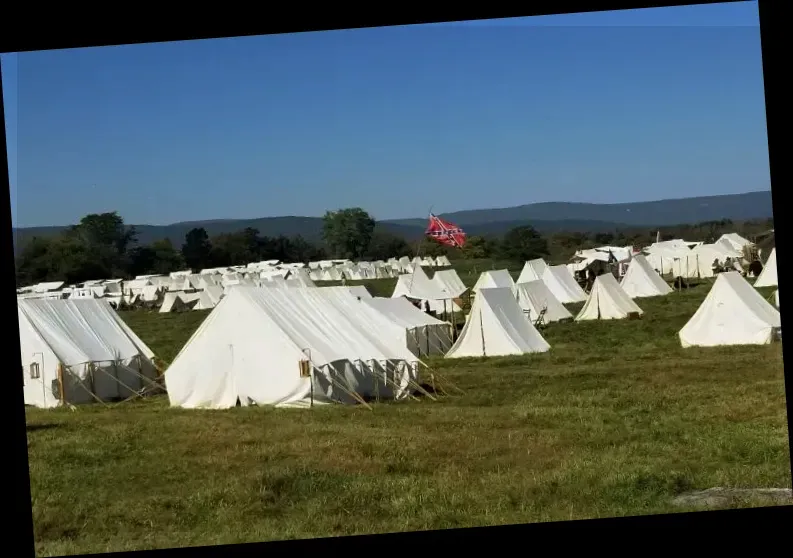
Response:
column 81, row 28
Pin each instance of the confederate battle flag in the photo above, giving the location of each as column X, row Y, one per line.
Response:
column 445, row 232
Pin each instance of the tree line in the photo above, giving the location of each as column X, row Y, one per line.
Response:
column 102, row 246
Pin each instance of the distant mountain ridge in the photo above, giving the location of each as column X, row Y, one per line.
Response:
column 545, row 217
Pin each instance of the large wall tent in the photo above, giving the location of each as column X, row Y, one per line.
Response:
column 291, row 347
column 79, row 351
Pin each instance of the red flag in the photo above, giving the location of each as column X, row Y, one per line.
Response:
column 445, row 232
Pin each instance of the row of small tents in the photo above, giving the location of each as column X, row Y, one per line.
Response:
column 310, row 346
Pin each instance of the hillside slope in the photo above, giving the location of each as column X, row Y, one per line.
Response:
column 546, row 217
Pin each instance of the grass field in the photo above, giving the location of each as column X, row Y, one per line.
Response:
column 616, row 420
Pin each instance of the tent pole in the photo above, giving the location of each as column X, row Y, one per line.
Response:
column 454, row 323
column 91, row 370
column 60, row 384
column 310, row 379
column 482, row 332
column 376, row 382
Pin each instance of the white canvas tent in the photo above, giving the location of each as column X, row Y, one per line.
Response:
column 768, row 277
column 534, row 297
column 215, row 293
column 205, row 301
column 641, row 280
column 776, row 297
column 172, row 302
column 424, row 335
column 417, row 286
column 733, row 313
column 607, row 301
column 494, row 279
column 497, row 326
column 736, row 241
column 358, row 291
column 563, row 285
column 79, row 351
column 532, row 271
column 257, row 344
column 450, row 281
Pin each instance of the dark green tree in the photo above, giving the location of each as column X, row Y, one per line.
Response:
column 384, row 245
column 523, row 243
column 107, row 239
column 347, row 232
column 476, row 247
column 197, row 249
column 158, row 258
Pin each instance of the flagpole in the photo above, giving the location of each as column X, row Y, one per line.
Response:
column 418, row 252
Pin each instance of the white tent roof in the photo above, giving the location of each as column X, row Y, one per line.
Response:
column 607, row 301
column 136, row 284
column 418, row 286
column 641, row 280
column 663, row 258
column 251, row 344
column 357, row 291
column 532, row 271
column 729, row 249
column 402, row 311
column 736, row 240
column 215, row 293
column 449, row 280
column 674, row 245
column 205, row 301
column 424, row 335
column 49, row 286
column 332, row 274
column 378, row 329
column 733, row 313
column 497, row 327
column 768, row 277
column 80, row 331
column 301, row 276
column 620, row 253
column 561, row 283
column 534, row 296
column 494, row 279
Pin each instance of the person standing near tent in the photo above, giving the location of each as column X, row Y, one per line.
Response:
column 591, row 276
column 715, row 266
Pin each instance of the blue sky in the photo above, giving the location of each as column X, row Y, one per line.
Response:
column 606, row 107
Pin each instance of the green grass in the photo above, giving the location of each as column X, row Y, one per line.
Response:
column 616, row 420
